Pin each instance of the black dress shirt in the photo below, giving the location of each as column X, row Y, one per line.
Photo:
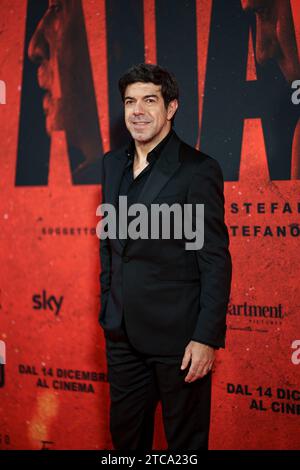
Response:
column 130, row 186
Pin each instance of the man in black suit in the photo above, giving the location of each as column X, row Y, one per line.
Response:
column 163, row 306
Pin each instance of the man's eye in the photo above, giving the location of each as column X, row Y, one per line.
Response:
column 150, row 100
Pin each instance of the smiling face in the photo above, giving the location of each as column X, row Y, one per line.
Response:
column 146, row 117
column 275, row 35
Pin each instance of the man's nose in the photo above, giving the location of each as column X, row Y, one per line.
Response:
column 138, row 108
column 38, row 48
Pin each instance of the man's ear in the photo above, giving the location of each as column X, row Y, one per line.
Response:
column 172, row 108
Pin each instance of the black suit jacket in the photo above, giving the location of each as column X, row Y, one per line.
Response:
column 168, row 295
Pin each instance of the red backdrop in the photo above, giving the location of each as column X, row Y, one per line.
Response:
column 53, row 384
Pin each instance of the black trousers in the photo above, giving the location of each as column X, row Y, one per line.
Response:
column 137, row 382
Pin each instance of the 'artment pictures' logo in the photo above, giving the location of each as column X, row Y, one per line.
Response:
column 255, row 317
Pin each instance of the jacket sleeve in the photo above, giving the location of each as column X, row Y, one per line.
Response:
column 214, row 260
column 105, row 255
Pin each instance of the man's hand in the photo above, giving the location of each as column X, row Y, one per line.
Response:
column 202, row 357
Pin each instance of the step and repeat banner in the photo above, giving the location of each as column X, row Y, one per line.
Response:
column 237, row 64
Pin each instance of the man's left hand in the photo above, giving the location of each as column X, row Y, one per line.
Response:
column 202, row 357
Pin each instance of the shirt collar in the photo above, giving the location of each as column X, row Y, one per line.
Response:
column 154, row 154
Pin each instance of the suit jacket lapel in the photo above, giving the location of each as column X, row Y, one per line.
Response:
column 166, row 165
column 114, row 176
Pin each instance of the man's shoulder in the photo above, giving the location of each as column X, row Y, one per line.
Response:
column 197, row 160
column 115, row 153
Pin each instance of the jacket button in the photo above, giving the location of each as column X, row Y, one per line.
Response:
column 126, row 259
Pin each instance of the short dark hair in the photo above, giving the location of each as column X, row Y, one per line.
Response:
column 155, row 74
